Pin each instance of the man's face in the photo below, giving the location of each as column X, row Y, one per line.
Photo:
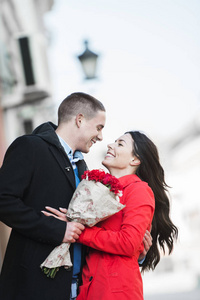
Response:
column 91, row 131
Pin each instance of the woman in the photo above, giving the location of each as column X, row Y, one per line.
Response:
column 111, row 270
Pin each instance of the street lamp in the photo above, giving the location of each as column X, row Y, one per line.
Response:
column 88, row 60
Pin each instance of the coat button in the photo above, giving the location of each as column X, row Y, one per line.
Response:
column 91, row 278
column 67, row 168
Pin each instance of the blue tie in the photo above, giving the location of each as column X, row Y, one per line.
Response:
column 77, row 246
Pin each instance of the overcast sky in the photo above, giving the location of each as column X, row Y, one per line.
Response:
column 149, row 63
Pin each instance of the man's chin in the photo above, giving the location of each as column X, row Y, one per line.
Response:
column 86, row 150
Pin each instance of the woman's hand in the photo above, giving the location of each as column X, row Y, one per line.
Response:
column 58, row 214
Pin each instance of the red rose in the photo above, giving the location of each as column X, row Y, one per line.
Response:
column 105, row 178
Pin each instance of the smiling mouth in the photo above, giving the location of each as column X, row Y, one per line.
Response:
column 109, row 154
column 93, row 142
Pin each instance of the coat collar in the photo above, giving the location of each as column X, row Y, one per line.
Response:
column 46, row 131
column 64, row 164
column 127, row 179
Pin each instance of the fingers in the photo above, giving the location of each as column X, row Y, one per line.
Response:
column 147, row 241
column 56, row 213
column 148, row 234
column 146, row 248
column 73, row 231
column 148, row 238
column 47, row 214
column 75, row 227
column 53, row 210
column 50, row 215
column 80, row 226
column 63, row 210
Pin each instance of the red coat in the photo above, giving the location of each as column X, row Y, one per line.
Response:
column 112, row 270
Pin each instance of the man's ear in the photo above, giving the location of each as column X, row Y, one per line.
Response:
column 135, row 161
column 79, row 120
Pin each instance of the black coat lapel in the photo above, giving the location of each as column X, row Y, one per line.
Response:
column 65, row 164
column 81, row 165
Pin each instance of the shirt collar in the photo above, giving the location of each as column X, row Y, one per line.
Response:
column 68, row 150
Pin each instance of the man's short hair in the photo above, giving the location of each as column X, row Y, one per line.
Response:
column 77, row 103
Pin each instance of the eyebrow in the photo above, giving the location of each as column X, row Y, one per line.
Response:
column 120, row 141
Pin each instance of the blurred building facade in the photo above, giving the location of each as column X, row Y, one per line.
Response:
column 180, row 272
column 25, row 87
column 184, row 175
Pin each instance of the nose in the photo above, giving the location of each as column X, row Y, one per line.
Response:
column 100, row 136
column 110, row 146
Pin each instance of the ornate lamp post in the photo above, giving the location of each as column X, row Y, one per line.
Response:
column 88, row 60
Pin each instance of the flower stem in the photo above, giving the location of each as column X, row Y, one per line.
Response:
column 50, row 272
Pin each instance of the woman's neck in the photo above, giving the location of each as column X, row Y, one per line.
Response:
column 120, row 173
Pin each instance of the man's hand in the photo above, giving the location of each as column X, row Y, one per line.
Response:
column 147, row 241
column 73, row 230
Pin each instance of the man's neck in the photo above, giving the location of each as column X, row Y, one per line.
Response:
column 67, row 135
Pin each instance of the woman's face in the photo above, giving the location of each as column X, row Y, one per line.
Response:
column 120, row 156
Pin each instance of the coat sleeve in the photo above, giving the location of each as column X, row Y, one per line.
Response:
column 136, row 218
column 15, row 177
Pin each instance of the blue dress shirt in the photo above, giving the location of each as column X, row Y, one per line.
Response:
column 73, row 159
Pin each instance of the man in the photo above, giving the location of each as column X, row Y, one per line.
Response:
column 43, row 169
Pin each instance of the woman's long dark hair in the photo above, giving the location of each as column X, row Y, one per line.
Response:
column 150, row 170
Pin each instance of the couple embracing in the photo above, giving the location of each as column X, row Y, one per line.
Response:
column 43, row 170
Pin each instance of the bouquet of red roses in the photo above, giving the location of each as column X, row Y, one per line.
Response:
column 95, row 199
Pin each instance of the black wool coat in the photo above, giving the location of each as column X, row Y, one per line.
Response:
column 34, row 175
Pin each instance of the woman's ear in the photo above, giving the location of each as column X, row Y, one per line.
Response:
column 79, row 120
column 135, row 161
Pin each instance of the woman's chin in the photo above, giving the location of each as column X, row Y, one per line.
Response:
column 105, row 164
